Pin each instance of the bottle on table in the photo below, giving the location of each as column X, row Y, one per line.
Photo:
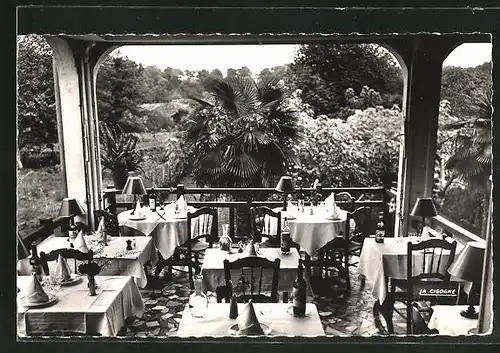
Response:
column 380, row 231
column 36, row 264
column 152, row 199
column 72, row 230
column 299, row 293
column 285, row 237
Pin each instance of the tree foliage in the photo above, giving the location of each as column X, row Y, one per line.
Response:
column 323, row 73
column 120, row 91
column 242, row 135
column 37, row 120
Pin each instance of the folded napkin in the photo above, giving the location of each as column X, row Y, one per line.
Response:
column 62, row 271
column 137, row 209
column 181, row 202
column 35, row 293
column 292, row 210
column 248, row 323
column 331, row 206
column 425, row 234
column 249, row 250
column 80, row 244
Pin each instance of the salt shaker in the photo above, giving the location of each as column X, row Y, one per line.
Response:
column 133, row 243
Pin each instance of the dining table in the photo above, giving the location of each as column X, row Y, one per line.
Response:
column 313, row 227
column 277, row 316
column 167, row 229
column 73, row 311
column 448, row 321
column 380, row 262
column 114, row 258
column 213, row 268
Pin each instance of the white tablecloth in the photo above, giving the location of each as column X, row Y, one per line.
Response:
column 312, row 232
column 380, row 261
column 75, row 311
column 168, row 232
column 213, row 268
column 448, row 321
column 113, row 258
column 216, row 322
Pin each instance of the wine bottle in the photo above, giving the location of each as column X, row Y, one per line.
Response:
column 152, row 200
column 285, row 237
column 299, row 293
column 72, row 230
column 380, row 232
column 36, row 263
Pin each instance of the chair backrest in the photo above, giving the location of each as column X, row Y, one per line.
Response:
column 67, row 254
column 207, row 224
column 248, row 278
column 427, row 262
column 110, row 221
column 346, row 201
column 362, row 216
column 265, row 222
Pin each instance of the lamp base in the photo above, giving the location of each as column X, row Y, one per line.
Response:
column 470, row 313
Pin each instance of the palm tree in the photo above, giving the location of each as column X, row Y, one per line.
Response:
column 472, row 159
column 242, row 134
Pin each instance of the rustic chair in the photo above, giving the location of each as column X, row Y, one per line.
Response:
column 328, row 269
column 345, row 201
column 67, row 254
column 262, row 218
column 110, row 221
column 189, row 253
column 244, row 278
column 363, row 229
column 432, row 271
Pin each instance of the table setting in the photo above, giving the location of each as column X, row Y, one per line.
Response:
column 213, row 264
column 44, row 309
column 117, row 255
column 250, row 320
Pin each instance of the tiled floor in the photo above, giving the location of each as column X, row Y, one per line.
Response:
column 352, row 316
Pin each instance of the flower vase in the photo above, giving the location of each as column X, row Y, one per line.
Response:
column 91, row 285
column 198, row 301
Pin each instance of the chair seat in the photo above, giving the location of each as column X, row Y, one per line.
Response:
column 196, row 246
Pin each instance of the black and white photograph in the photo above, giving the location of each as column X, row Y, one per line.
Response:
column 177, row 185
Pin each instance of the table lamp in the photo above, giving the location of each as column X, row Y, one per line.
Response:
column 469, row 267
column 134, row 186
column 70, row 207
column 285, row 186
column 424, row 207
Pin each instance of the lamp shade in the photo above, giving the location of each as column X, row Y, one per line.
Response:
column 285, row 185
column 424, row 207
column 70, row 207
column 134, row 186
column 469, row 263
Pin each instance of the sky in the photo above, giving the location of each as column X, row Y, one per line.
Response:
column 258, row 57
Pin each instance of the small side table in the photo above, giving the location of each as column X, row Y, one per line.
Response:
column 449, row 322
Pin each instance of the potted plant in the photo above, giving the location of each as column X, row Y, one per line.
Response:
column 119, row 153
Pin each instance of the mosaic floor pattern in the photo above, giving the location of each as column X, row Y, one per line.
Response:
column 352, row 316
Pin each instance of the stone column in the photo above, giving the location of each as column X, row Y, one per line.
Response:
column 423, row 57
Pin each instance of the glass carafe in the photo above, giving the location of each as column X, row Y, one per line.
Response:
column 198, row 301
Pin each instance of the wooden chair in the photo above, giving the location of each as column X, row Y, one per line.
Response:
column 244, row 277
column 345, row 201
column 67, row 254
column 328, row 269
column 262, row 218
column 433, row 271
column 363, row 229
column 188, row 254
column 110, row 221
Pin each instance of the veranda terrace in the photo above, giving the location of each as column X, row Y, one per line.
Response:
column 77, row 59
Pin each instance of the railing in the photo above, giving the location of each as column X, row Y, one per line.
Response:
column 244, row 198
